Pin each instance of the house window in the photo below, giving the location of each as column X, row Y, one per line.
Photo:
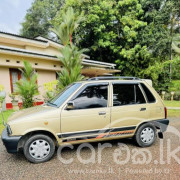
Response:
column 15, row 75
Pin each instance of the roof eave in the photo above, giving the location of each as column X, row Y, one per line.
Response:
column 24, row 40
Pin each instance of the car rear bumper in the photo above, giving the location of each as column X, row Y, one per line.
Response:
column 161, row 124
column 10, row 142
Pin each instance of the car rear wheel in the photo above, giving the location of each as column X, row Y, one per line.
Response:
column 39, row 148
column 146, row 135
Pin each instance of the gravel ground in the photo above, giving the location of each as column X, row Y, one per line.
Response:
column 157, row 167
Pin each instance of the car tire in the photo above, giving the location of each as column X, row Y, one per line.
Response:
column 39, row 148
column 145, row 135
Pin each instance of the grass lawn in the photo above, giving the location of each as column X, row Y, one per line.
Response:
column 6, row 115
column 173, row 112
column 172, row 103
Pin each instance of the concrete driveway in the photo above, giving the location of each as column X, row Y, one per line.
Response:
column 151, row 163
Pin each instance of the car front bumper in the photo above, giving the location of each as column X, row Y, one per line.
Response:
column 10, row 142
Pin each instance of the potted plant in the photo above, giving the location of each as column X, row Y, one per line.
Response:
column 14, row 101
column 2, row 98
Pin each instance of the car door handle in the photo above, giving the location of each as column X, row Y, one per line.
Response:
column 142, row 109
column 102, row 113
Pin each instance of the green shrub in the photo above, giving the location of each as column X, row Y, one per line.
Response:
column 49, row 95
column 175, row 86
column 177, row 96
column 27, row 87
column 167, row 96
column 51, row 90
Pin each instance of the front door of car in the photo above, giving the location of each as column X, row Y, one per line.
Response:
column 129, row 107
column 90, row 114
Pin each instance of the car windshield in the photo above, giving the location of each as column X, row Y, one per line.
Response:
column 58, row 100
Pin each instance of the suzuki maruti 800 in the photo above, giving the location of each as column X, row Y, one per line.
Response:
column 101, row 108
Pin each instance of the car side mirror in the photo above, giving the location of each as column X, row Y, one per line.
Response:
column 70, row 105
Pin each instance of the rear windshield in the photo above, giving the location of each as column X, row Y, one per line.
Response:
column 149, row 95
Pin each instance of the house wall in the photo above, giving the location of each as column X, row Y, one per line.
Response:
column 52, row 51
column 42, row 63
column 44, row 77
column 45, row 69
column 46, row 66
column 5, row 81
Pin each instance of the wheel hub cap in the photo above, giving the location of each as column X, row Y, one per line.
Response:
column 147, row 135
column 39, row 149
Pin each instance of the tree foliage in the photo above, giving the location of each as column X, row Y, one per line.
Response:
column 162, row 19
column 111, row 32
column 159, row 73
column 134, row 34
column 38, row 18
column 70, row 22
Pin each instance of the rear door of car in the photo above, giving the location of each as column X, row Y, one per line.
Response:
column 129, row 107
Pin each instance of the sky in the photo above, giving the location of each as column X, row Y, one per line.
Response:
column 12, row 13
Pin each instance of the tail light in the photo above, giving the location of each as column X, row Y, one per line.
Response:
column 165, row 112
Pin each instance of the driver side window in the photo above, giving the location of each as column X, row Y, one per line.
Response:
column 95, row 96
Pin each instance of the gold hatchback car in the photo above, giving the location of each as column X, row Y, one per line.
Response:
column 101, row 108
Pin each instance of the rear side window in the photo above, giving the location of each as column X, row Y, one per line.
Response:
column 139, row 96
column 127, row 94
column 149, row 95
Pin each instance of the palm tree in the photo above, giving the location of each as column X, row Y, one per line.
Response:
column 27, row 72
column 27, row 87
column 71, row 60
column 70, row 22
column 71, row 57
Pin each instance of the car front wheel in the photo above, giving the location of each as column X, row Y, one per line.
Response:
column 146, row 135
column 39, row 148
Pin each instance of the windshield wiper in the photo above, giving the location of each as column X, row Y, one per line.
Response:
column 51, row 104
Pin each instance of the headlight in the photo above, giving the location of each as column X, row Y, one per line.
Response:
column 9, row 130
